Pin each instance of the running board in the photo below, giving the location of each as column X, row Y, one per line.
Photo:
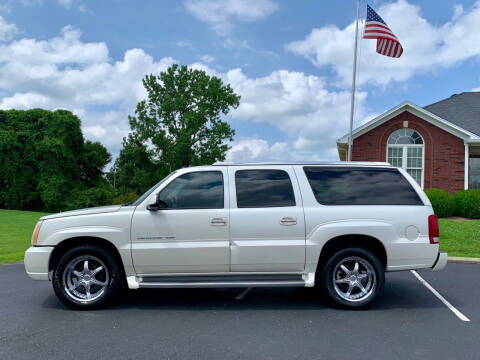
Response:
column 218, row 281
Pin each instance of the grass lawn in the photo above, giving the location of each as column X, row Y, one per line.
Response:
column 460, row 237
column 16, row 229
column 457, row 237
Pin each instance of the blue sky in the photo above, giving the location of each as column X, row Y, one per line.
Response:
column 290, row 60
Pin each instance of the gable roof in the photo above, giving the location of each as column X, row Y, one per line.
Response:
column 460, row 109
column 416, row 110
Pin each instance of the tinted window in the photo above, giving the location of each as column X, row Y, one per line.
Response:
column 360, row 186
column 196, row 190
column 263, row 188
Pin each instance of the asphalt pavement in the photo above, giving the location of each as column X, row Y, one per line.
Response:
column 408, row 322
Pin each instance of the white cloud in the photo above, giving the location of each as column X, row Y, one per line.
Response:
column 221, row 13
column 66, row 3
column 184, row 44
column 457, row 11
column 426, row 46
column 66, row 72
column 7, row 30
column 255, row 149
column 207, row 59
column 299, row 105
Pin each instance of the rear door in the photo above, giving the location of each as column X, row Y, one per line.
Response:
column 267, row 226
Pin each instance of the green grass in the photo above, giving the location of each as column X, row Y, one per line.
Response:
column 457, row 237
column 16, row 229
column 460, row 237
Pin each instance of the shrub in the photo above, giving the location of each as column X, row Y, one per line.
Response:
column 98, row 196
column 125, row 198
column 442, row 201
column 468, row 203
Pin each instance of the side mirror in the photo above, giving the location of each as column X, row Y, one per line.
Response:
column 157, row 205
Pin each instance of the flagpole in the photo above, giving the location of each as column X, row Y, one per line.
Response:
column 352, row 103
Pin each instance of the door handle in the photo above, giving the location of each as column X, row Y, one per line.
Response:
column 288, row 221
column 218, row 221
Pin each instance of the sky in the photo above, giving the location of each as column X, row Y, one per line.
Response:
column 291, row 62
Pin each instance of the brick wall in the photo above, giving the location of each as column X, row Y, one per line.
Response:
column 444, row 152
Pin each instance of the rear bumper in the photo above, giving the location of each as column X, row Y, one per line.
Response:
column 441, row 261
column 36, row 262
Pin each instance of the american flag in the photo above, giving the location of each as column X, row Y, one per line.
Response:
column 376, row 28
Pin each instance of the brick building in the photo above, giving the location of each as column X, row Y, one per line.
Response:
column 439, row 145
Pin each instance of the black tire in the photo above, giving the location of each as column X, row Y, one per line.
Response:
column 338, row 292
column 112, row 277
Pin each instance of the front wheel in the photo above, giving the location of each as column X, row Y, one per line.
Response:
column 86, row 277
column 353, row 278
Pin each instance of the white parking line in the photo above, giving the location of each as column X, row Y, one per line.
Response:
column 242, row 294
column 442, row 299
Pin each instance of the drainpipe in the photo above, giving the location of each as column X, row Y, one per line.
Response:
column 466, row 167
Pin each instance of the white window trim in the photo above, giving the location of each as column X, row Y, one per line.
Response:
column 404, row 156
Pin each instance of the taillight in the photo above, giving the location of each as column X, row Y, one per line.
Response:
column 433, row 231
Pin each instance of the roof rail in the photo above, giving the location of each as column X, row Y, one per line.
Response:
column 350, row 163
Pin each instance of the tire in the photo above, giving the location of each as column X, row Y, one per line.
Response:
column 364, row 280
column 87, row 287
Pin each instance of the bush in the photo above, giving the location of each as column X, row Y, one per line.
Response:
column 442, row 201
column 468, row 203
column 126, row 198
column 98, row 196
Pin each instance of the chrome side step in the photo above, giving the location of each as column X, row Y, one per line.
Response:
column 213, row 284
column 216, row 281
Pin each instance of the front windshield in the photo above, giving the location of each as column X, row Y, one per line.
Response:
column 144, row 196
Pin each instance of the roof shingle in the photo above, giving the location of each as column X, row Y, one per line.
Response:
column 460, row 109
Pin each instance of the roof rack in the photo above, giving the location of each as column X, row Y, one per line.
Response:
column 350, row 163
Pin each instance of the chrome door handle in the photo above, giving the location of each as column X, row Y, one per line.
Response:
column 218, row 221
column 288, row 221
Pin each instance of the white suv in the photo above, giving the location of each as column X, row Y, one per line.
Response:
column 339, row 226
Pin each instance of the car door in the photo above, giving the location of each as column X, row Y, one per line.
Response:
column 192, row 233
column 267, row 226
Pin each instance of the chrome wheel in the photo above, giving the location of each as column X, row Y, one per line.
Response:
column 85, row 278
column 354, row 279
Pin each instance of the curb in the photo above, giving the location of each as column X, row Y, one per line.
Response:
column 463, row 260
column 14, row 263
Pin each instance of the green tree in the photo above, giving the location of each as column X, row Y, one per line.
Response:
column 181, row 120
column 134, row 171
column 45, row 163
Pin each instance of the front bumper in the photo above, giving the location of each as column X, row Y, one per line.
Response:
column 36, row 262
column 441, row 261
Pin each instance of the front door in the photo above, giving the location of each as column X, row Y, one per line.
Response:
column 191, row 234
column 267, row 227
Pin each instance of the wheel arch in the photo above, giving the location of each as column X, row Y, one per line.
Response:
column 366, row 242
column 72, row 242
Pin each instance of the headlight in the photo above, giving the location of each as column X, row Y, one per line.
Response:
column 35, row 233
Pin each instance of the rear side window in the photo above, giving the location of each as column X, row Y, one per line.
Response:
column 263, row 188
column 360, row 186
column 195, row 190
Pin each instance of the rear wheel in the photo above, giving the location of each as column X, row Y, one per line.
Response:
column 353, row 278
column 86, row 277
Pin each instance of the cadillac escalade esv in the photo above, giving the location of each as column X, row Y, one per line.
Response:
column 336, row 226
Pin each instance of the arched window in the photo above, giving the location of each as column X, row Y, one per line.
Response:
column 405, row 149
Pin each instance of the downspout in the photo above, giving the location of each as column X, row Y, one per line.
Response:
column 465, row 186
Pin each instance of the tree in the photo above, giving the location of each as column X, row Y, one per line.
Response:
column 181, row 120
column 45, row 164
column 134, row 171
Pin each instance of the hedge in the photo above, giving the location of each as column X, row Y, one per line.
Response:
column 442, row 201
column 468, row 203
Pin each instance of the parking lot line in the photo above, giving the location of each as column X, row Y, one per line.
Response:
column 442, row 299
column 242, row 294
